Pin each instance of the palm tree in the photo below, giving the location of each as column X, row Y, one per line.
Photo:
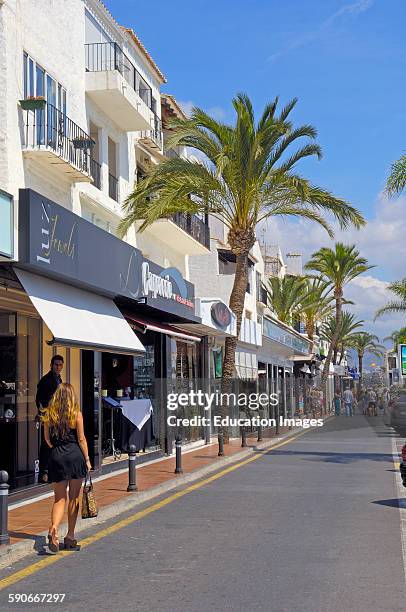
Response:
column 347, row 329
column 248, row 177
column 399, row 289
column 338, row 267
column 397, row 337
column 285, row 295
column 315, row 305
column 397, row 179
column 364, row 342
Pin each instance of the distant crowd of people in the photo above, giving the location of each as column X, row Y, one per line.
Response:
column 370, row 401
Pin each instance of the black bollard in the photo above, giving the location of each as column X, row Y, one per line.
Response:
column 178, row 451
column 132, row 478
column 243, row 437
column 259, row 433
column 221, row 444
column 4, row 537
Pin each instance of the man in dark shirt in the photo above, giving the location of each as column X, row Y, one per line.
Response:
column 45, row 390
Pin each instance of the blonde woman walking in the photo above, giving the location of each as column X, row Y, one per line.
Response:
column 68, row 460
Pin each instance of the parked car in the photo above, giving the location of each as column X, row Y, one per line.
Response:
column 397, row 412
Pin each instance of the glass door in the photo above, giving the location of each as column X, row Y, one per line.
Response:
column 52, row 122
column 40, row 112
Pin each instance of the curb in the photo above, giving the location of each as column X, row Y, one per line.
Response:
column 9, row 554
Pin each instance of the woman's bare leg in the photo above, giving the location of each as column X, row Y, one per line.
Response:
column 58, row 507
column 73, row 506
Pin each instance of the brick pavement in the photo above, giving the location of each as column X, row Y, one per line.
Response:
column 32, row 519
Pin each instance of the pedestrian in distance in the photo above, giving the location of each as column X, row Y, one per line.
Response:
column 68, row 460
column 348, row 401
column 337, row 404
column 45, row 390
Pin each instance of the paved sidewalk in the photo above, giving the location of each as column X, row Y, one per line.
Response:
column 28, row 522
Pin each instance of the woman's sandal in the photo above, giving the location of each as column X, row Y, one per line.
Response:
column 53, row 542
column 70, row 544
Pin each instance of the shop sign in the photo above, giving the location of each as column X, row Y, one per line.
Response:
column 58, row 243
column 220, row 314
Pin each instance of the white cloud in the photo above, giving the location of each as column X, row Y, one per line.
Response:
column 353, row 9
column 382, row 242
column 186, row 106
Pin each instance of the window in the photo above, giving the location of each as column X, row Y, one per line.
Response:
column 37, row 82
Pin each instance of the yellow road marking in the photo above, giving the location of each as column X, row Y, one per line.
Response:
column 39, row 565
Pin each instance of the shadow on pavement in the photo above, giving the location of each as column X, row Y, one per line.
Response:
column 393, row 503
column 334, row 457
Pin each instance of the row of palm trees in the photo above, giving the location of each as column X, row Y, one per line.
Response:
column 310, row 300
column 249, row 174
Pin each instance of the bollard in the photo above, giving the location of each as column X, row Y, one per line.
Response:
column 243, row 437
column 178, row 450
column 4, row 537
column 221, row 444
column 259, row 433
column 132, row 455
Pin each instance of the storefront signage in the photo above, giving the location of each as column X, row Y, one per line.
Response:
column 402, row 354
column 6, row 224
column 220, row 314
column 58, row 243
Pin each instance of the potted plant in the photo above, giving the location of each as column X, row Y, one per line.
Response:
column 83, row 142
column 33, row 103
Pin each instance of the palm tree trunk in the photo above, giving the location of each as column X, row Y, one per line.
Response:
column 236, row 304
column 341, row 354
column 338, row 294
column 310, row 332
column 360, row 365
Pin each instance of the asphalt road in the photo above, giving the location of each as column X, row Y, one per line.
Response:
column 313, row 526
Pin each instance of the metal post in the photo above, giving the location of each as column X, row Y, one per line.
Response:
column 243, row 437
column 178, row 450
column 4, row 537
column 132, row 455
column 221, row 443
column 259, row 433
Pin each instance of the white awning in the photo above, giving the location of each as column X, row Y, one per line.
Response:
column 79, row 318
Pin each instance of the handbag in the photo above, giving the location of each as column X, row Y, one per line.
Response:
column 89, row 506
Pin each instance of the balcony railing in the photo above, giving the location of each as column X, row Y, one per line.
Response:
column 95, row 173
column 50, row 128
column 172, row 154
column 100, row 57
column 113, row 187
column 155, row 134
column 194, row 226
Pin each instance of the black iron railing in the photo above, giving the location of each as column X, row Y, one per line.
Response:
column 100, row 57
column 113, row 187
column 50, row 128
column 172, row 154
column 194, row 226
column 262, row 295
column 155, row 134
column 95, row 173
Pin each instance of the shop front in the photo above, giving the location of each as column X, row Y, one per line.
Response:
column 64, row 294
column 276, row 360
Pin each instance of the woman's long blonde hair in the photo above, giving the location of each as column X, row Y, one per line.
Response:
column 62, row 411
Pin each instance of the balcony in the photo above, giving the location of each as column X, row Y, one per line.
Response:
column 113, row 187
column 187, row 234
column 250, row 332
column 262, row 296
column 95, row 172
column 152, row 139
column 115, row 85
column 55, row 141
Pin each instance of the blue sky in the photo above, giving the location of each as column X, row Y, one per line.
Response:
column 344, row 60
